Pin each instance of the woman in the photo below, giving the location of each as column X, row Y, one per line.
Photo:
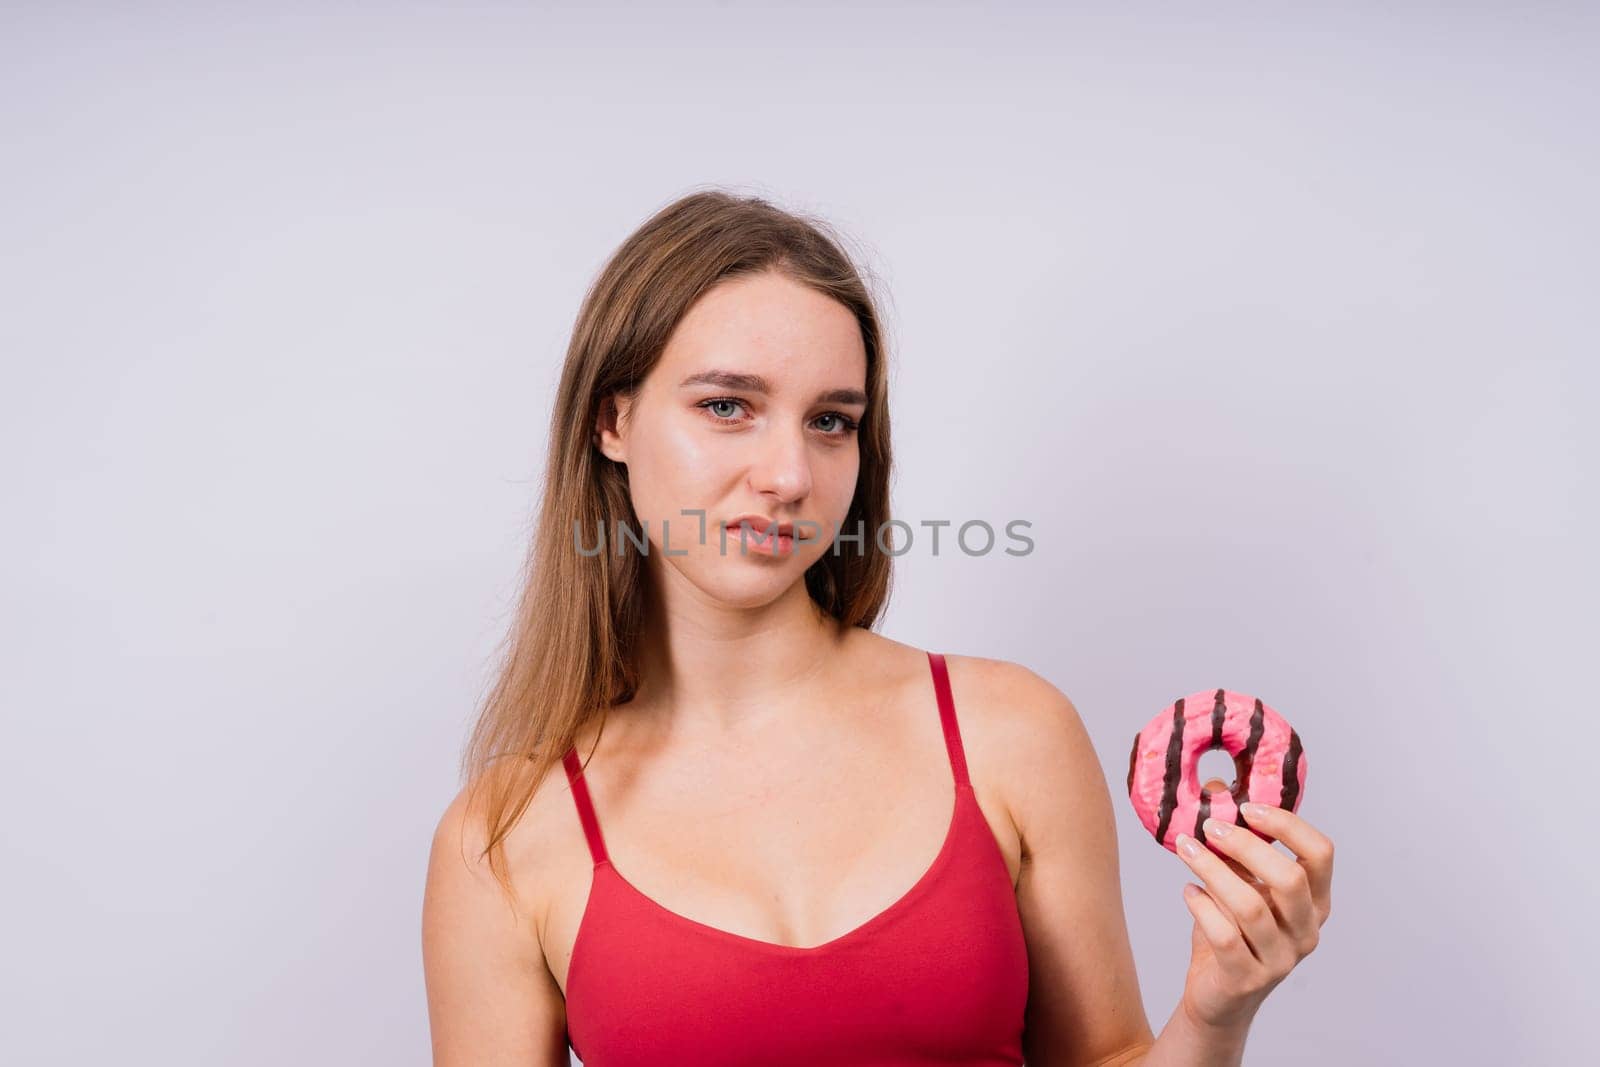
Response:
column 711, row 816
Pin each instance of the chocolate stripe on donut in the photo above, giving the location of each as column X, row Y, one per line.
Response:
column 1291, row 773
column 1219, row 715
column 1133, row 761
column 1245, row 761
column 1169, row 784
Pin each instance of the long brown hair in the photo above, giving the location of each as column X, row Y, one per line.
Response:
column 570, row 653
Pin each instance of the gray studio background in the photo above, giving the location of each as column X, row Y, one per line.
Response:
column 1276, row 323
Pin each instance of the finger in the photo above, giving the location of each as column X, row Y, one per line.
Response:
column 1247, row 877
column 1216, row 785
column 1221, row 933
column 1312, row 848
column 1245, row 874
column 1246, row 907
column 1287, row 889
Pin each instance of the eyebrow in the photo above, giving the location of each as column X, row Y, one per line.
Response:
column 755, row 383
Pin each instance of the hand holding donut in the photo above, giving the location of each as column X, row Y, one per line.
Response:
column 1260, row 912
column 1248, row 935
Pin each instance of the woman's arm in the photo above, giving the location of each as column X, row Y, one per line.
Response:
column 491, row 998
column 1084, row 1004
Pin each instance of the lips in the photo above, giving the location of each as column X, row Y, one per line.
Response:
column 762, row 529
column 762, row 525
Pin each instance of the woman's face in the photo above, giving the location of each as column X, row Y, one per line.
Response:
column 751, row 411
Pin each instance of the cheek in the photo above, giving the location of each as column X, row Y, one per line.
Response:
column 672, row 470
column 840, row 478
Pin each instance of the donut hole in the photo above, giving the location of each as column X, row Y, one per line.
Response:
column 1217, row 770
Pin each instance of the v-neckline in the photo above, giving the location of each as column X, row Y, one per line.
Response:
column 963, row 792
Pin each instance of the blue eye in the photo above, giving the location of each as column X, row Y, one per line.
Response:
column 847, row 425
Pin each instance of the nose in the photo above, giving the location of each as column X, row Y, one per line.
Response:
column 781, row 469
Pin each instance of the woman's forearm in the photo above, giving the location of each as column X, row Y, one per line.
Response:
column 1183, row 1042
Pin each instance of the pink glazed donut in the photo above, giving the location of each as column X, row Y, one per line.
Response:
column 1164, row 769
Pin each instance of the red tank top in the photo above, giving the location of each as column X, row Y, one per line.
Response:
column 938, row 977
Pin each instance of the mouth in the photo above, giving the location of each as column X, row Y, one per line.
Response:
column 764, row 536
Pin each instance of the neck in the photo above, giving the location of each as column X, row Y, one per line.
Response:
column 725, row 670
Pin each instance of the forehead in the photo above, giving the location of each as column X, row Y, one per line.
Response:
column 770, row 324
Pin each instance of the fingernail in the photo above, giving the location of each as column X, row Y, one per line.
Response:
column 1252, row 810
column 1217, row 828
column 1190, row 846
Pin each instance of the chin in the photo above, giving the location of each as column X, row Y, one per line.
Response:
column 750, row 590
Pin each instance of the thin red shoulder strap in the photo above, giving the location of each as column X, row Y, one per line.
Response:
column 947, row 716
column 580, row 796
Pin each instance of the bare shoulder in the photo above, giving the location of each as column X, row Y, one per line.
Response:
column 1025, row 736
column 491, row 996
column 458, row 863
column 1084, row 1000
